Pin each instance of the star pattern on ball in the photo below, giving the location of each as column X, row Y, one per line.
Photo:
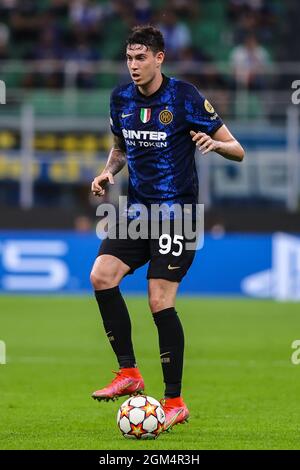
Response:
column 137, row 430
column 125, row 410
column 150, row 410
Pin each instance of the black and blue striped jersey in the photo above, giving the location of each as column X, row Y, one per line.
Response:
column 159, row 148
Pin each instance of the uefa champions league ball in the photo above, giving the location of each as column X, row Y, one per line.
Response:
column 141, row 417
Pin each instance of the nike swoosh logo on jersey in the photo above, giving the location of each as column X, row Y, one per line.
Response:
column 173, row 267
column 126, row 115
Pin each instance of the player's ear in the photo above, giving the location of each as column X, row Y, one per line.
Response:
column 159, row 58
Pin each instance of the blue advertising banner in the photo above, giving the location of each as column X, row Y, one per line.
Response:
column 266, row 266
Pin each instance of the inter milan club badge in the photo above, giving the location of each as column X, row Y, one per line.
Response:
column 165, row 116
column 145, row 114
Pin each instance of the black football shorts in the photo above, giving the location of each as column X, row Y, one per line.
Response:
column 169, row 252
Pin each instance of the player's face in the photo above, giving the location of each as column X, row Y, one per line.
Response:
column 143, row 64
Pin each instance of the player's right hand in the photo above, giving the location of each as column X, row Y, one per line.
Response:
column 100, row 182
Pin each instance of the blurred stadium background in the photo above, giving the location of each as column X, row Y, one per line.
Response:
column 59, row 60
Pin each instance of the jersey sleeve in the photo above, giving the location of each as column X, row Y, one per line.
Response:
column 200, row 114
column 114, row 117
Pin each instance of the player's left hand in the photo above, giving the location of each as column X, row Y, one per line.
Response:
column 204, row 142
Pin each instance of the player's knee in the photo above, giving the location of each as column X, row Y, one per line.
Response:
column 96, row 280
column 101, row 280
column 157, row 302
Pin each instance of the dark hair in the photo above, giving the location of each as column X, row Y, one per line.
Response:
column 148, row 36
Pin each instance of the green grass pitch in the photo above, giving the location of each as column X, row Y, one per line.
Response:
column 239, row 383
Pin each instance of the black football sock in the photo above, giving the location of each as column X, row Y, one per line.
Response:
column 171, row 344
column 117, row 324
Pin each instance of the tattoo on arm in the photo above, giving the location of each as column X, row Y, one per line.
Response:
column 117, row 158
column 119, row 143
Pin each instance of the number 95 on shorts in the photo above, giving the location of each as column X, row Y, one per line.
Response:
column 169, row 249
